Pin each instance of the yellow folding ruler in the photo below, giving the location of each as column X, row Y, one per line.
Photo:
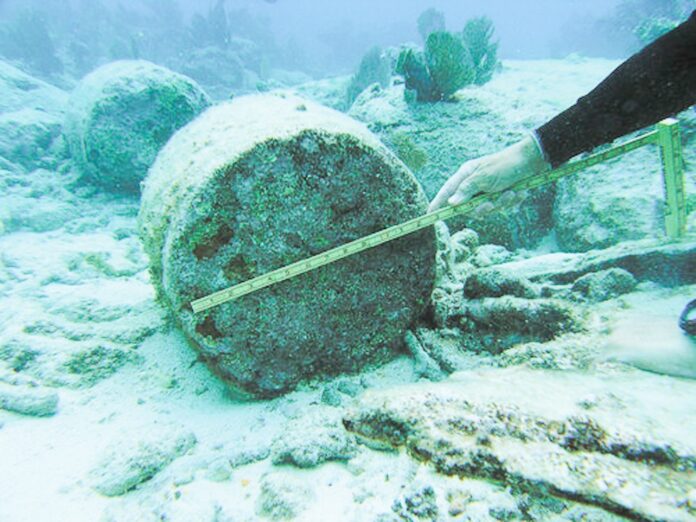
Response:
column 666, row 135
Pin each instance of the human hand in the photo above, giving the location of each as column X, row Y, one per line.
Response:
column 493, row 173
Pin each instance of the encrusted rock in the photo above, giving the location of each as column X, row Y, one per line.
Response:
column 418, row 504
column 283, row 496
column 605, row 284
column 487, row 255
column 600, row 440
column 126, row 465
column 263, row 181
column 448, row 350
column 424, row 365
column 330, row 396
column 27, row 134
column 95, row 363
column 567, row 352
column 493, row 283
column 609, row 203
column 621, row 200
column 120, row 115
column 22, row 91
column 219, row 470
column 247, row 454
column 669, row 264
column 474, row 124
column 311, row 440
column 350, row 387
column 36, row 402
column 495, row 324
column 464, row 242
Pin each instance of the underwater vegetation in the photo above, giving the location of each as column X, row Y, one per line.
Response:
column 375, row 67
column 647, row 20
column 435, row 74
column 625, row 29
column 408, row 151
column 478, row 38
column 412, row 66
column 449, row 61
column 449, row 64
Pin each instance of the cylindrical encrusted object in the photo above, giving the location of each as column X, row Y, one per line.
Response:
column 260, row 182
column 119, row 117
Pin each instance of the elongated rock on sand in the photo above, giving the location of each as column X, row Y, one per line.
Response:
column 25, row 400
column 597, row 439
column 260, row 182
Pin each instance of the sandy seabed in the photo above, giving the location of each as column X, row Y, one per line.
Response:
column 109, row 415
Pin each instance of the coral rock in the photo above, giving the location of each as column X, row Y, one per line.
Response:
column 127, row 465
column 603, row 441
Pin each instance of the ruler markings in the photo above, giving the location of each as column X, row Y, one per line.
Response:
column 410, row 226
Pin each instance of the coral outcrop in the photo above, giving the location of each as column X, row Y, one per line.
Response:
column 600, row 440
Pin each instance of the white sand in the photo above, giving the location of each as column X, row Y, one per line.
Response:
column 46, row 461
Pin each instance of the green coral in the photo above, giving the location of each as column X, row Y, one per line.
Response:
column 375, row 67
column 477, row 36
column 441, row 70
column 449, row 63
column 411, row 65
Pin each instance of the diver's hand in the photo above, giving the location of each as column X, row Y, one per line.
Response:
column 492, row 173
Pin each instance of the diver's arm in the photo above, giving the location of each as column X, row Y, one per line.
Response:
column 654, row 83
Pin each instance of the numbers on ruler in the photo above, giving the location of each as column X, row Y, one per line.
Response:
column 673, row 156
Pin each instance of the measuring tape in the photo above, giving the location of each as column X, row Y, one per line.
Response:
column 410, row 226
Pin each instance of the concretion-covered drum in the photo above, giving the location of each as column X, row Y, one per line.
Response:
column 262, row 181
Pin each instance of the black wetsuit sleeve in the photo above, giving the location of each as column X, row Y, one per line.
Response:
column 654, row 83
